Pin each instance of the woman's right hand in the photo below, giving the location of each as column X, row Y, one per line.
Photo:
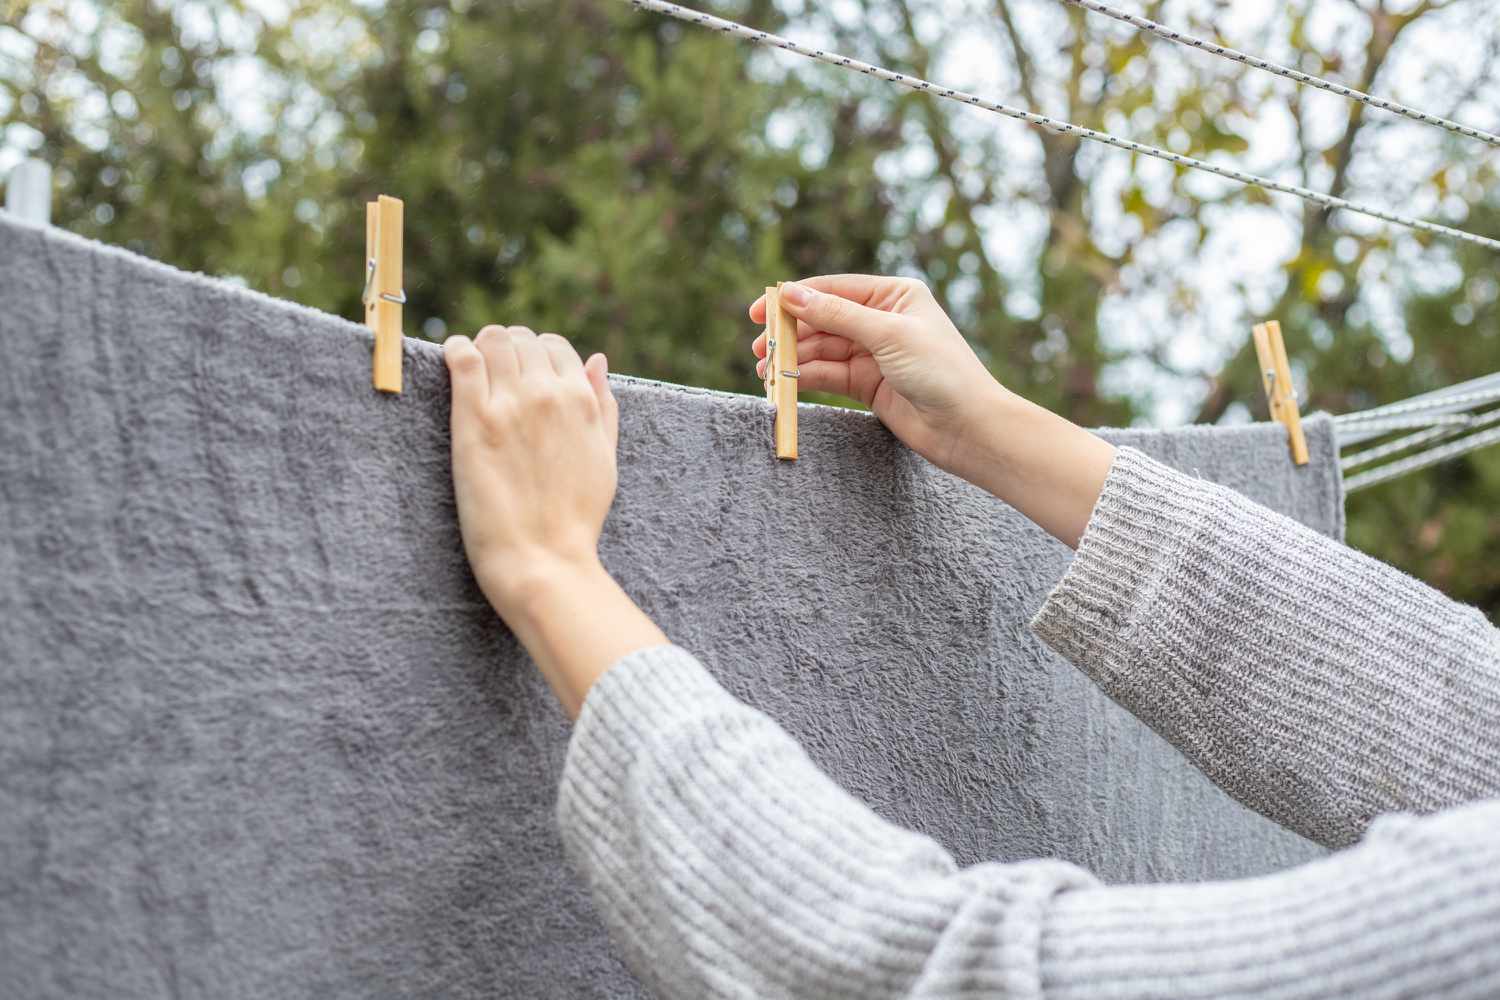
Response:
column 886, row 343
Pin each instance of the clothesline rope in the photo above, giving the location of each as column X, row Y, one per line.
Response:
column 1456, row 401
column 1476, row 393
column 1384, row 425
column 1383, row 103
column 1405, row 443
column 1462, row 432
column 1421, row 460
column 1057, row 125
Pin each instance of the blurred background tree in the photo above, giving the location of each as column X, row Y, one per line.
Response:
column 632, row 182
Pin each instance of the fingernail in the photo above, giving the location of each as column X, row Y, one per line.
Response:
column 795, row 294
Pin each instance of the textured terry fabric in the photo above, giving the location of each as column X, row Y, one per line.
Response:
column 261, row 736
column 1309, row 680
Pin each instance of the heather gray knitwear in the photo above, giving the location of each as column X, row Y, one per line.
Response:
column 1332, row 693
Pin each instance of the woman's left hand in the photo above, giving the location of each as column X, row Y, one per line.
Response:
column 534, row 434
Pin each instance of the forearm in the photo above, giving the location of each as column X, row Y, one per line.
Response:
column 1049, row 469
column 1311, row 682
column 576, row 623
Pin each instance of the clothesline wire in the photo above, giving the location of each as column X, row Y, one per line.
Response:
column 1475, row 392
column 1444, row 442
column 1457, row 401
column 1357, row 427
column 1383, row 103
column 1396, row 447
column 1385, row 425
column 1423, row 459
column 1057, row 125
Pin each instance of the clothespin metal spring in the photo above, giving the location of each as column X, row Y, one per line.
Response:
column 399, row 298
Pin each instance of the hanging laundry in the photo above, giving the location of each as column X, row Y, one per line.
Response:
column 260, row 734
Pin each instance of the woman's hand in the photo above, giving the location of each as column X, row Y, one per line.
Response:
column 534, row 433
column 886, row 343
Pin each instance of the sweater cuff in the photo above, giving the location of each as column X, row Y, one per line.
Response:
column 1147, row 517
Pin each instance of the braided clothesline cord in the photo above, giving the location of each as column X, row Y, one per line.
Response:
column 1457, row 401
column 1457, row 419
column 1423, row 459
column 1477, row 393
column 1054, row 124
column 1383, row 103
column 1405, row 443
column 1448, row 432
column 1384, row 425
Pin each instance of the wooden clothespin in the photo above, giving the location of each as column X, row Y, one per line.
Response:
column 782, row 372
column 1276, row 376
column 383, row 296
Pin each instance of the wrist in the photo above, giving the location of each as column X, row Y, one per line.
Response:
column 990, row 453
column 527, row 581
column 1042, row 464
column 574, row 620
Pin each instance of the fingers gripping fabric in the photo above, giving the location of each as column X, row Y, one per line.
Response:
column 261, row 736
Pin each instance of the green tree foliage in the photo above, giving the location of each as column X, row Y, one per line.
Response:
column 632, row 182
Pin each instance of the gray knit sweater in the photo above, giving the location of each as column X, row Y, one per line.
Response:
column 1309, row 681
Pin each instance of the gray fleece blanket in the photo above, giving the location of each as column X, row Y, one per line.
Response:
column 261, row 736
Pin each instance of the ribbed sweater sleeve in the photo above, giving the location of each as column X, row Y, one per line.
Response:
column 725, row 864
column 1311, row 682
